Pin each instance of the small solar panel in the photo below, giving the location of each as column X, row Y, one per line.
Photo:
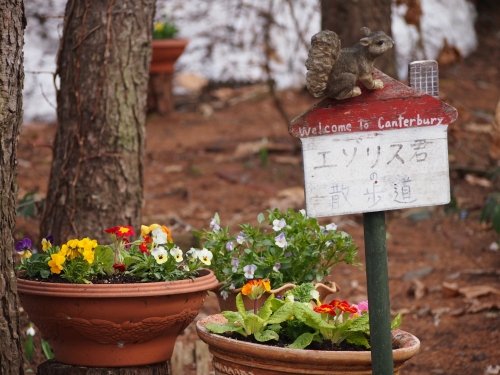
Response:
column 424, row 76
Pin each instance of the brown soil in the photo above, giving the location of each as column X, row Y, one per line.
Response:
column 233, row 154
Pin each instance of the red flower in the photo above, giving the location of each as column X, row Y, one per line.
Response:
column 343, row 306
column 325, row 309
column 144, row 244
column 119, row 267
column 121, row 231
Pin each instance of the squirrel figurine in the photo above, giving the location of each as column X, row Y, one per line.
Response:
column 333, row 72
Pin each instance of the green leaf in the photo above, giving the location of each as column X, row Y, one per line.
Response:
column 266, row 336
column 240, row 306
column 284, row 313
column 358, row 338
column 223, row 328
column 104, row 259
column 232, row 316
column 29, row 348
column 261, row 218
column 303, row 341
column 396, row 322
column 266, row 310
column 253, row 324
column 47, row 350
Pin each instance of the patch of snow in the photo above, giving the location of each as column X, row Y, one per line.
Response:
column 227, row 41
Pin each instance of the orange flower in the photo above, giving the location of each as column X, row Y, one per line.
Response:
column 254, row 289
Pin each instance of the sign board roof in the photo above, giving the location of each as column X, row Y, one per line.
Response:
column 396, row 106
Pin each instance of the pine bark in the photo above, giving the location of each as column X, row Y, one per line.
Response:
column 12, row 24
column 103, row 65
column 346, row 18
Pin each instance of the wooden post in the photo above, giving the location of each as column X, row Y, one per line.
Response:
column 56, row 368
column 378, row 293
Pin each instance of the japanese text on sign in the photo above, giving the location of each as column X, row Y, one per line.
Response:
column 376, row 171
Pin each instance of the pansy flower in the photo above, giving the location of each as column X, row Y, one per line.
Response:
column 249, row 270
column 56, row 262
column 205, row 256
column 278, row 224
column 241, row 238
column 176, row 252
column 23, row 247
column 280, row 240
column 215, row 223
column 160, row 255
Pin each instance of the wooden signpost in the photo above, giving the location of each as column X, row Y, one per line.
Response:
column 383, row 150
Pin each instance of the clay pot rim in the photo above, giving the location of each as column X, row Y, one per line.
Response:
column 204, row 282
column 178, row 42
column 411, row 345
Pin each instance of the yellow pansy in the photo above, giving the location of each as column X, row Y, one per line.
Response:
column 88, row 255
column 56, row 262
column 46, row 244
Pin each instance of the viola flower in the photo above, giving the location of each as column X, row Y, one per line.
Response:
column 215, row 223
column 56, row 262
column 46, row 244
column 159, row 236
column 280, row 240
column 241, row 238
column 330, row 227
column 160, row 255
column 276, row 267
column 254, row 289
column 249, row 270
column 278, row 224
column 235, row 262
column 24, row 244
column 176, row 252
column 205, row 256
column 193, row 253
column 120, row 267
column 229, row 246
column 224, row 294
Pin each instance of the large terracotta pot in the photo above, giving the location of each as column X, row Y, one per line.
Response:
column 114, row 325
column 238, row 357
column 165, row 54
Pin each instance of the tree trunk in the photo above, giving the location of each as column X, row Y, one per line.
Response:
column 346, row 18
column 103, row 65
column 12, row 23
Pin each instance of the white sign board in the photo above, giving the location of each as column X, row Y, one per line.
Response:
column 376, row 170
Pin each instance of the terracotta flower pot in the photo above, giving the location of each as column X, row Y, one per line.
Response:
column 239, row 357
column 165, row 54
column 326, row 294
column 114, row 325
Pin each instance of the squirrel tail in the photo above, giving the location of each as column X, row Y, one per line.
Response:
column 324, row 51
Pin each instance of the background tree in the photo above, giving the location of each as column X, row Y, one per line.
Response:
column 103, row 65
column 346, row 18
column 12, row 23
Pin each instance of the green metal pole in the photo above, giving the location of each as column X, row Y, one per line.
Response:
column 378, row 293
